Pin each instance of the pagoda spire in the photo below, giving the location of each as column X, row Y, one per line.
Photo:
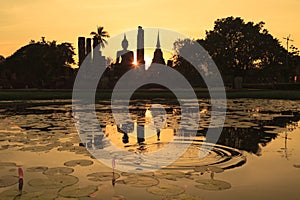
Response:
column 158, row 54
column 158, row 41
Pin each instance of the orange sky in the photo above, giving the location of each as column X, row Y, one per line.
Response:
column 65, row 20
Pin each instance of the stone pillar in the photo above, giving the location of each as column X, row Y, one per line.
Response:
column 140, row 46
column 95, row 42
column 88, row 45
column 81, row 49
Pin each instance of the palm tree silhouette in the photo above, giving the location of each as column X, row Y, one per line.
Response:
column 100, row 36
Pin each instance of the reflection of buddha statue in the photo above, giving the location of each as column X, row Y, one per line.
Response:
column 125, row 55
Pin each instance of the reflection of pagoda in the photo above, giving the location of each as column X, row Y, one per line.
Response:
column 158, row 54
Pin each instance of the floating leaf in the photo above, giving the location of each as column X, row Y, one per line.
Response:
column 182, row 197
column 296, row 166
column 58, row 171
column 53, row 182
column 63, row 198
column 209, row 184
column 75, row 191
column 37, row 196
column 73, row 163
column 7, row 164
column 118, row 197
column 140, row 174
column 208, row 168
column 140, row 181
column 170, row 175
column 9, row 194
column 165, row 190
column 37, row 169
column 103, row 176
column 8, row 180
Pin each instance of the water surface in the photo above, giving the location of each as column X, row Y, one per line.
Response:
column 256, row 157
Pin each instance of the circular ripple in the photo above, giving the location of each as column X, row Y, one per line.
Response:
column 220, row 156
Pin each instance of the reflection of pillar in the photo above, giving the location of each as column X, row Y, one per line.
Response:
column 140, row 133
column 140, row 46
column 141, row 126
column 81, row 49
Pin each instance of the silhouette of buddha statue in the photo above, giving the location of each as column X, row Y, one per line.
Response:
column 125, row 55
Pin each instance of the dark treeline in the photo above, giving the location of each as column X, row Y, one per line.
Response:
column 243, row 52
column 40, row 64
column 242, row 49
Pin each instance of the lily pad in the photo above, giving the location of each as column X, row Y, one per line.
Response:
column 53, row 182
column 166, row 190
column 64, row 198
column 209, row 184
column 140, row 174
column 170, row 175
column 140, row 181
column 9, row 194
column 8, row 180
column 7, row 164
column 75, row 191
column 118, row 197
column 37, row 196
column 182, row 197
column 58, row 171
column 36, row 148
column 296, row 165
column 103, row 176
column 74, row 163
column 37, row 169
column 207, row 168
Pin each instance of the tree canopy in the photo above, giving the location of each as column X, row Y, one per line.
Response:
column 39, row 64
column 100, row 36
column 237, row 46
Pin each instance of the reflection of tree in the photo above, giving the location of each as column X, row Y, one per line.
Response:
column 250, row 139
column 289, row 128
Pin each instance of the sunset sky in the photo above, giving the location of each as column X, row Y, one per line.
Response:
column 65, row 20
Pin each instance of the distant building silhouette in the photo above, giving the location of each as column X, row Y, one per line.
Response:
column 158, row 54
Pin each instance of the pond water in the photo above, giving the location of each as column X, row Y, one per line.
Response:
column 257, row 155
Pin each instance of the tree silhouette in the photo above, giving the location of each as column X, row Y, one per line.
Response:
column 237, row 46
column 243, row 49
column 40, row 64
column 2, row 58
column 100, row 36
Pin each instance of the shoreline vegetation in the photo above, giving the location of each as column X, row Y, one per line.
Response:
column 202, row 93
